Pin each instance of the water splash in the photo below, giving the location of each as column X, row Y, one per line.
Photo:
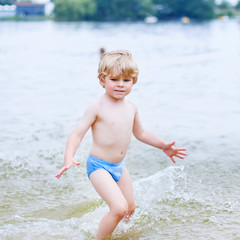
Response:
column 150, row 190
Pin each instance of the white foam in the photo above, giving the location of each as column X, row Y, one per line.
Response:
column 150, row 190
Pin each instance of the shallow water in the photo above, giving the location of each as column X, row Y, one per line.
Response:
column 188, row 91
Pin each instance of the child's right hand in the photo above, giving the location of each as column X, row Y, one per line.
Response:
column 66, row 166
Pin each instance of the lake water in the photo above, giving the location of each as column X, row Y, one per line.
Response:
column 188, row 91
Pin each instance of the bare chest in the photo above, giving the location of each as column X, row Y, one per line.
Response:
column 119, row 119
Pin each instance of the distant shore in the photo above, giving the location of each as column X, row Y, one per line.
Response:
column 51, row 17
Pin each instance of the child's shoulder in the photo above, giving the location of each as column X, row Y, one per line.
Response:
column 97, row 104
column 132, row 104
column 94, row 106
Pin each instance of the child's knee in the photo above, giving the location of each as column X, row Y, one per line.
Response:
column 130, row 212
column 131, row 208
column 120, row 211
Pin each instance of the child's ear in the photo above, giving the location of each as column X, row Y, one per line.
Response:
column 101, row 80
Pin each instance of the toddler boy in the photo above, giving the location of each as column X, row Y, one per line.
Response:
column 113, row 120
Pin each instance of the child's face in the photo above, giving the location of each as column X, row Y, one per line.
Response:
column 117, row 87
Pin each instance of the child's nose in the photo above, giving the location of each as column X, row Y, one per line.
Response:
column 121, row 83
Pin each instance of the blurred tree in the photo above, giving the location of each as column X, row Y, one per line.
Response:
column 224, row 5
column 197, row 9
column 123, row 9
column 238, row 5
column 6, row 2
column 146, row 8
column 73, row 10
column 225, row 9
column 104, row 10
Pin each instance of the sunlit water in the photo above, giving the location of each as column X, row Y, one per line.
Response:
column 188, row 91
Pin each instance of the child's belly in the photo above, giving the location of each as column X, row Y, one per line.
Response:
column 110, row 152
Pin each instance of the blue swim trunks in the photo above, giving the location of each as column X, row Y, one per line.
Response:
column 115, row 169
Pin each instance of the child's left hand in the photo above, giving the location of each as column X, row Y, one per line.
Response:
column 174, row 152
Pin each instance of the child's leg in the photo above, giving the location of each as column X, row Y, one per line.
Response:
column 109, row 191
column 125, row 184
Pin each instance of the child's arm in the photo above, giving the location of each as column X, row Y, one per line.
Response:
column 75, row 139
column 147, row 137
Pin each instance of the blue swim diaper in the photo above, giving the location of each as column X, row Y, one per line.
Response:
column 115, row 169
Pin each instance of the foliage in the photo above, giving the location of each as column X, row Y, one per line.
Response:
column 224, row 5
column 225, row 9
column 197, row 9
column 73, row 10
column 120, row 10
column 238, row 5
column 6, row 2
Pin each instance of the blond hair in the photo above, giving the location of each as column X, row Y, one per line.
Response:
column 118, row 63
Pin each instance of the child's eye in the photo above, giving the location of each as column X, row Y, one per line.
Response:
column 127, row 80
column 113, row 79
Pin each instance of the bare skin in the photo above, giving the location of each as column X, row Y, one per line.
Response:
column 113, row 120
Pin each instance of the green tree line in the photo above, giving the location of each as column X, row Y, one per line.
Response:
column 121, row 10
